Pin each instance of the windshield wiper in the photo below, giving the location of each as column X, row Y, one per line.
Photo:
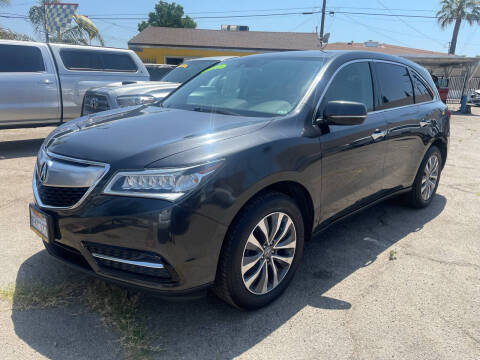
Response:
column 216, row 111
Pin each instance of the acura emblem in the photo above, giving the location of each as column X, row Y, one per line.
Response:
column 43, row 172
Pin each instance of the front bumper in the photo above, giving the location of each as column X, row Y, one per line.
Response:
column 185, row 243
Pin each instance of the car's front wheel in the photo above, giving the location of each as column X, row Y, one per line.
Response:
column 261, row 252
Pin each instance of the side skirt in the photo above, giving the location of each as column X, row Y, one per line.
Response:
column 333, row 220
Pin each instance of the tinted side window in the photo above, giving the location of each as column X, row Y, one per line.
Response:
column 422, row 93
column 352, row 83
column 81, row 60
column 20, row 58
column 118, row 62
column 96, row 60
column 395, row 85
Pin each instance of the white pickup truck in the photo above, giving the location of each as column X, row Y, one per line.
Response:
column 43, row 84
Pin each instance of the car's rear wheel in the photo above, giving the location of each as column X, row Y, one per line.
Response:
column 427, row 179
column 261, row 252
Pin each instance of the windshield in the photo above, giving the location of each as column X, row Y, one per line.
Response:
column 249, row 86
column 187, row 70
column 157, row 72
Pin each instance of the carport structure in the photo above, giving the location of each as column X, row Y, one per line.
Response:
column 461, row 75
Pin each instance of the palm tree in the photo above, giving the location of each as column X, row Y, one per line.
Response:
column 76, row 34
column 454, row 11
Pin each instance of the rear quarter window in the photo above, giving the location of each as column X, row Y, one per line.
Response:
column 422, row 92
column 21, row 58
column 87, row 60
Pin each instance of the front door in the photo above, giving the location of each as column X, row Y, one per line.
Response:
column 353, row 155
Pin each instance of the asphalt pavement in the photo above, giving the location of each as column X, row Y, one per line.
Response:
column 388, row 283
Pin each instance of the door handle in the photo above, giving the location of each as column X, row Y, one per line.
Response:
column 45, row 82
column 424, row 122
column 378, row 134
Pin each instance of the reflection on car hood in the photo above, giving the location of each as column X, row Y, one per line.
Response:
column 136, row 136
column 154, row 88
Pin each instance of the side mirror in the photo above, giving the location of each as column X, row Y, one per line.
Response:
column 343, row 113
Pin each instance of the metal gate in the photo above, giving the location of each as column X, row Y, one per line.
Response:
column 455, row 86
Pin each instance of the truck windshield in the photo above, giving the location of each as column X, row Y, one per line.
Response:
column 187, row 70
column 249, row 86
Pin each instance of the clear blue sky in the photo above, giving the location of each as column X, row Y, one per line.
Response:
column 413, row 32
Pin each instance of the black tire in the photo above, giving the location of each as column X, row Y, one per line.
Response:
column 414, row 197
column 229, row 284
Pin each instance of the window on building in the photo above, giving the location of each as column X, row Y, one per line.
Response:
column 395, row 85
column 173, row 60
column 352, row 83
column 85, row 60
column 20, row 58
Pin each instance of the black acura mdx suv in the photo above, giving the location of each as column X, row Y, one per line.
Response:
column 220, row 184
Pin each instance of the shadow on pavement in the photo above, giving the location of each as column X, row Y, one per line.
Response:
column 207, row 328
column 19, row 148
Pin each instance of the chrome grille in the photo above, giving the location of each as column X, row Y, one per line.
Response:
column 62, row 182
column 93, row 103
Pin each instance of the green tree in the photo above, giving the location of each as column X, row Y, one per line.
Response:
column 7, row 33
column 455, row 11
column 10, row 35
column 75, row 34
column 168, row 15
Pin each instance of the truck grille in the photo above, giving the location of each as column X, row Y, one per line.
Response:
column 93, row 103
column 60, row 196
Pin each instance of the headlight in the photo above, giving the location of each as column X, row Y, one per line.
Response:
column 167, row 184
column 132, row 100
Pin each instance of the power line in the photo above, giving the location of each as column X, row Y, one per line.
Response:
column 262, row 10
column 331, row 12
column 378, row 32
column 410, row 26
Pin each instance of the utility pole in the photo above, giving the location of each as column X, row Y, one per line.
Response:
column 322, row 25
column 45, row 20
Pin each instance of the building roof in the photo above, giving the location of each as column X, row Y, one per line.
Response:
column 383, row 48
column 246, row 40
column 257, row 41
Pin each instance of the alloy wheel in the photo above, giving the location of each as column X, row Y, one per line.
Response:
column 268, row 253
column 430, row 177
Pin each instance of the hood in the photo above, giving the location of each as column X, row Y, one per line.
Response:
column 134, row 137
column 154, row 88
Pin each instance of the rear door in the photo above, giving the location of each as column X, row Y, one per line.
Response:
column 28, row 86
column 404, row 115
column 352, row 156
